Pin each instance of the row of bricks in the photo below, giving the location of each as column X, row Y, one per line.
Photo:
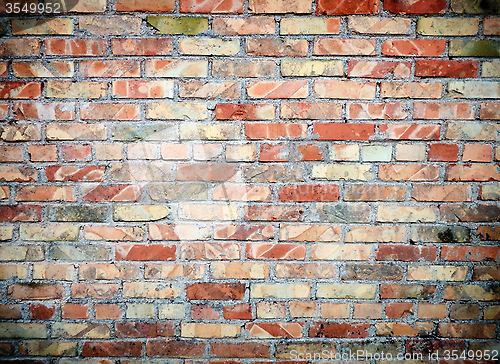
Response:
column 321, row 7
column 255, row 25
column 291, row 89
column 257, row 291
column 281, row 152
column 231, row 68
column 259, row 47
column 187, row 110
column 266, row 310
column 158, row 171
column 264, row 351
column 264, row 330
column 257, row 270
column 261, row 232
column 257, row 193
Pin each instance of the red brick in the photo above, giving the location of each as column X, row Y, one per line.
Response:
column 7, row 350
column 4, row 68
column 408, row 172
column 204, row 312
column 35, row 291
column 100, row 193
column 76, row 152
column 241, row 350
column 93, row 290
column 150, row 252
column 342, row 131
column 374, row 193
column 275, row 130
column 206, row 172
column 470, row 253
column 344, row 7
column 490, row 110
column 141, row 46
column 275, row 251
column 110, row 68
column 311, row 110
column 45, row 193
column 20, row 90
column 443, row 152
column 111, row 348
column 10, row 213
column 19, row 47
column 309, row 193
column 243, row 232
column 144, row 329
column 406, row 253
column 340, row 46
column 211, row 6
column 381, row 111
column 445, row 68
column 489, row 232
column 463, row 330
column 415, row 7
column 142, row 89
column 275, row 329
column 396, row 310
column 165, row 6
column 277, row 89
column 107, row 311
column 175, row 348
column 307, row 152
column 242, row 311
column 274, row 213
column 42, row 153
column 411, row 131
column 443, row 110
column 472, row 172
column 338, row 330
column 42, row 111
column 77, row 174
column 477, row 153
column 108, row 111
column 244, row 111
column 41, row 312
column 215, row 291
column 379, row 69
column 415, row 47
column 75, row 47
column 74, row 311
column 273, row 153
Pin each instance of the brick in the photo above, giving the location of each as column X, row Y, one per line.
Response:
column 474, row 48
column 491, row 313
column 49, row 232
column 486, row 273
column 241, row 349
column 206, row 172
column 177, row 191
column 207, row 251
column 272, row 173
column 76, row 152
column 471, row 292
column 374, row 193
column 464, row 312
column 408, row 172
column 243, row 68
column 142, row 132
column 3, row 69
column 142, row 46
column 68, row 89
column 304, row 270
column 443, row 152
column 35, row 291
column 468, row 253
column 75, row 48
column 177, row 111
column 407, row 291
column 367, row 311
column 472, row 172
column 467, row 89
column 402, row 329
column 338, row 330
column 417, row 90
column 281, row 6
column 20, row 90
column 209, row 90
column 83, row 330
column 143, row 89
column 307, row 152
column 444, row 234
column 48, row 348
column 243, row 232
column 228, row 270
column 335, row 310
column 17, row 174
column 280, row 290
column 140, row 212
column 419, row 7
column 73, row 173
column 171, row 270
column 342, row 172
column 376, row 69
column 111, row 348
column 275, row 251
column 110, row 25
column 490, row 69
column 340, row 252
column 302, row 309
column 21, row 253
column 376, row 25
column 489, row 192
column 175, row 348
column 38, row 312
column 215, row 291
column 477, row 153
column 451, row 26
column 406, row 253
column 245, row 112
column 342, row 7
column 344, row 89
column 277, row 89
column 209, row 46
column 209, row 330
column 128, row 193
column 177, row 232
column 176, row 68
column 376, row 153
column 26, row 213
column 78, row 252
column 310, row 25
column 171, row 311
column 483, row 212
column 210, row 6
column 6, row 233
column 241, row 153
column 275, row 130
column 244, row 26
column 19, row 48
column 303, row 193
column 145, row 5
column 143, row 329
column 436, row 273
column 42, row 153
column 109, row 68
column 107, row 271
column 379, row 272
column 11, row 153
column 343, row 152
column 46, row 70
column 343, row 131
column 491, row 26
column 384, row 234
column 208, row 212
column 145, row 252
column 472, row 131
column 490, row 110
column 416, row 48
column 268, row 310
column 10, row 271
column 240, row 311
column 442, row 68
column 62, row 272
column 334, row 46
column 101, row 111
column 389, row 213
column 174, row 151
column 398, row 310
column 90, row 6
column 151, row 290
column 273, row 213
column 442, row 193
column 277, row 47
column 309, row 233
column 15, row 133
column 445, row 110
column 76, row 131
column 157, row 171
column 478, row 331
column 241, row 193
column 275, row 330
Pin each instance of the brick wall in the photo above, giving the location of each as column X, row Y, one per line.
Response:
column 232, row 180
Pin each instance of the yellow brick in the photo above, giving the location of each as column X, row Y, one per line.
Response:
column 236, row 270
column 209, row 46
column 436, row 273
column 358, row 172
column 209, row 330
column 308, row 68
column 393, row 213
column 451, row 26
column 343, row 290
column 340, row 252
column 280, row 290
column 140, row 310
column 310, row 25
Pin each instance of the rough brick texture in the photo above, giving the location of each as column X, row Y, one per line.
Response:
column 240, row 182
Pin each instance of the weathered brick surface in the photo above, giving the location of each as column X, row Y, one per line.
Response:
column 236, row 182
